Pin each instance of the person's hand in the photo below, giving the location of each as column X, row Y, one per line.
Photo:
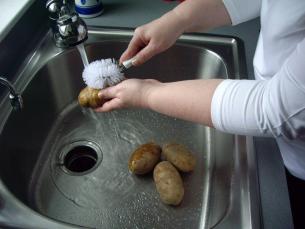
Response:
column 128, row 93
column 153, row 38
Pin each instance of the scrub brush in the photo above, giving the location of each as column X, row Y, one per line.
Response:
column 99, row 75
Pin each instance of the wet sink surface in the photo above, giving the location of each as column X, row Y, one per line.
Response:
column 219, row 193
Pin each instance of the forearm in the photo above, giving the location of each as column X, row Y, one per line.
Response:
column 189, row 100
column 199, row 15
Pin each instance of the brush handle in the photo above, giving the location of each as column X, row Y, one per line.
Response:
column 128, row 63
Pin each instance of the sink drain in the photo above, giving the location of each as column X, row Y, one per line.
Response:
column 81, row 157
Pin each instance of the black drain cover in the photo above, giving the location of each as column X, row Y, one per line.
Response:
column 80, row 159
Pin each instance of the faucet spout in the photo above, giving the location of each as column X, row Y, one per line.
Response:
column 68, row 28
column 15, row 98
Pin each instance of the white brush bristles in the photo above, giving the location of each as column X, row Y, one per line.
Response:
column 102, row 73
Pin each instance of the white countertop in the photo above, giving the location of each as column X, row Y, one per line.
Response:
column 11, row 10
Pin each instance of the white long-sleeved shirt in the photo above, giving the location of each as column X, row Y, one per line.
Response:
column 274, row 103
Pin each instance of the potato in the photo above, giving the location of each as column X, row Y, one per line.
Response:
column 179, row 156
column 88, row 97
column 168, row 183
column 144, row 158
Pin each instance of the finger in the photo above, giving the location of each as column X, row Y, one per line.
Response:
column 145, row 54
column 133, row 48
column 152, row 81
column 110, row 105
column 107, row 93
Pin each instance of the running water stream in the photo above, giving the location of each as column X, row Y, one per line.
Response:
column 82, row 52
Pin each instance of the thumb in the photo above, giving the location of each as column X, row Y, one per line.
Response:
column 107, row 93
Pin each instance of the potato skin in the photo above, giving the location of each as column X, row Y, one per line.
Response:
column 144, row 158
column 88, row 97
column 179, row 156
column 169, row 183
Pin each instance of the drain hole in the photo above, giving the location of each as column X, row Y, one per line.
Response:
column 80, row 159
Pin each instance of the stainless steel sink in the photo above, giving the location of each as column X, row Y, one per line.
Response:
column 63, row 166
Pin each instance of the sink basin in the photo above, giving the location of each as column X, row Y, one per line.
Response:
column 63, row 166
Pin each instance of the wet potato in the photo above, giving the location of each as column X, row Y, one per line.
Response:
column 179, row 156
column 88, row 97
column 144, row 158
column 169, row 183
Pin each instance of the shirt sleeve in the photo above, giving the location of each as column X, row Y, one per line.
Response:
column 266, row 107
column 242, row 10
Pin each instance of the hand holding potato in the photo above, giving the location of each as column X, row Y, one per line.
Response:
column 88, row 97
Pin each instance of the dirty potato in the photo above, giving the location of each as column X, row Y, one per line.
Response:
column 144, row 158
column 168, row 183
column 179, row 156
column 88, row 97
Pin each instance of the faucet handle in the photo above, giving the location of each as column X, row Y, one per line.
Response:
column 54, row 8
column 68, row 28
column 72, row 29
column 58, row 8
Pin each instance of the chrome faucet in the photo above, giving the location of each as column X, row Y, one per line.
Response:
column 68, row 28
column 15, row 98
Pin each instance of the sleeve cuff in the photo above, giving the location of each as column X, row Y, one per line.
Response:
column 242, row 10
column 217, row 104
column 233, row 12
